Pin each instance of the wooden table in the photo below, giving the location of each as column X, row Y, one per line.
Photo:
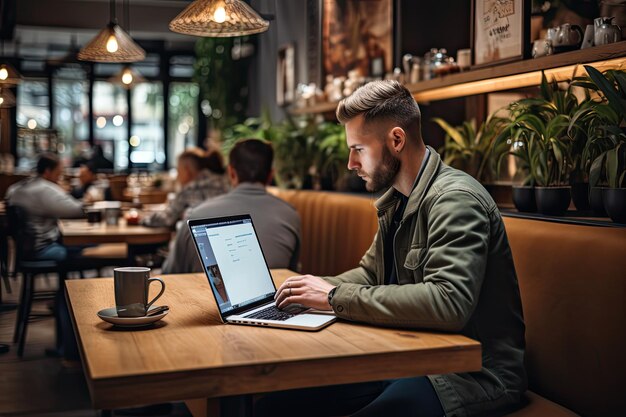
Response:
column 190, row 354
column 79, row 232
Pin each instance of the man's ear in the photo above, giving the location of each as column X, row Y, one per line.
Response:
column 232, row 175
column 270, row 176
column 397, row 137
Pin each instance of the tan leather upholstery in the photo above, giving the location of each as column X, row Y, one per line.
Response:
column 573, row 286
column 337, row 229
column 540, row 407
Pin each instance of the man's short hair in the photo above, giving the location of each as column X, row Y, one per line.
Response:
column 382, row 100
column 252, row 160
column 47, row 162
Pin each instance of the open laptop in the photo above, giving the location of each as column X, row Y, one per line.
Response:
column 241, row 282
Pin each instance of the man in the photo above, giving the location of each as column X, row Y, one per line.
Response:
column 439, row 261
column 198, row 184
column 87, row 176
column 45, row 202
column 276, row 222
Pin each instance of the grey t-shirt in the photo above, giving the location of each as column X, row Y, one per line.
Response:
column 276, row 222
column 45, row 203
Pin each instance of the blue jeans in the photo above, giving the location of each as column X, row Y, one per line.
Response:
column 413, row 397
column 57, row 252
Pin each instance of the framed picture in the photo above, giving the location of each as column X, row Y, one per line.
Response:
column 357, row 35
column 500, row 31
column 286, row 75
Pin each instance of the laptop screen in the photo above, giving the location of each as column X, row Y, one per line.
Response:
column 233, row 261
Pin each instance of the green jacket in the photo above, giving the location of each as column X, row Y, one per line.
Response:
column 455, row 273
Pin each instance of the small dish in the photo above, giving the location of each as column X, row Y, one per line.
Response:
column 110, row 316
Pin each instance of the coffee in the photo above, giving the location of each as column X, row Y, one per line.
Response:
column 132, row 289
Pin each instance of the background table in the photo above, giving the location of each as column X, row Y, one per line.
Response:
column 190, row 354
column 79, row 232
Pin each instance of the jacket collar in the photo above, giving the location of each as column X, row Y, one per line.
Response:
column 389, row 199
column 249, row 188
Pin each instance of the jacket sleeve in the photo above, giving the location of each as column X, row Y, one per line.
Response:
column 61, row 205
column 454, row 266
column 365, row 273
column 183, row 257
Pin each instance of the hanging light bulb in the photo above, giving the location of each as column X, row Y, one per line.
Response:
column 112, row 45
column 127, row 76
column 220, row 14
column 8, row 75
column 219, row 18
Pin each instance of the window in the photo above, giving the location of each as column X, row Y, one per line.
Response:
column 147, row 143
column 183, row 118
column 71, row 111
column 110, row 111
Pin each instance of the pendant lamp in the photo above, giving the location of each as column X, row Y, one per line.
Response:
column 218, row 18
column 8, row 74
column 127, row 77
column 112, row 44
column 7, row 99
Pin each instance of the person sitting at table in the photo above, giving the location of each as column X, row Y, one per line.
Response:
column 440, row 261
column 99, row 161
column 86, row 189
column 201, row 176
column 277, row 223
column 45, row 202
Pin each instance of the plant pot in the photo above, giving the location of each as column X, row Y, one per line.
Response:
column 595, row 201
column 553, row 201
column 524, row 198
column 615, row 203
column 580, row 196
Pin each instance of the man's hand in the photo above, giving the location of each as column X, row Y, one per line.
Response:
column 308, row 290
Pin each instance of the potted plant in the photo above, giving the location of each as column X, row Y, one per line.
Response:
column 608, row 138
column 332, row 155
column 537, row 131
column 614, row 196
column 472, row 150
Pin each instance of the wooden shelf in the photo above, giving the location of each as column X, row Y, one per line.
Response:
column 506, row 76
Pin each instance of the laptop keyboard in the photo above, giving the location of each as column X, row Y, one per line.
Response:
column 271, row 313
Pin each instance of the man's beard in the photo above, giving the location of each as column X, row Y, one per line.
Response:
column 383, row 174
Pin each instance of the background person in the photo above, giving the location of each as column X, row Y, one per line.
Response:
column 277, row 223
column 440, row 260
column 201, row 176
column 45, row 202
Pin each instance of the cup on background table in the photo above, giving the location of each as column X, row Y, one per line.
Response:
column 112, row 215
column 93, row 215
column 132, row 290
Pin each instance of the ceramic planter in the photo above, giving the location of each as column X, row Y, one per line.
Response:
column 553, row 201
column 595, row 201
column 524, row 198
column 615, row 203
column 580, row 196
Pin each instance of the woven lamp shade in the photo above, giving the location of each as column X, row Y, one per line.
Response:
column 127, row 78
column 9, row 75
column 218, row 18
column 7, row 99
column 123, row 49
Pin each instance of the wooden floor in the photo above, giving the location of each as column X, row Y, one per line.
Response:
column 36, row 385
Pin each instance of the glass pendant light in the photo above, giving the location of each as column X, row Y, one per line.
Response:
column 128, row 77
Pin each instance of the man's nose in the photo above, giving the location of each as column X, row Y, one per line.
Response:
column 352, row 161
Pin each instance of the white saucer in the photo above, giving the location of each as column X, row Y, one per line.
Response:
column 110, row 316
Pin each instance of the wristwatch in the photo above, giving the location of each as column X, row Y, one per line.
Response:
column 331, row 293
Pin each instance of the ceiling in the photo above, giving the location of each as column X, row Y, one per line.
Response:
column 47, row 28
